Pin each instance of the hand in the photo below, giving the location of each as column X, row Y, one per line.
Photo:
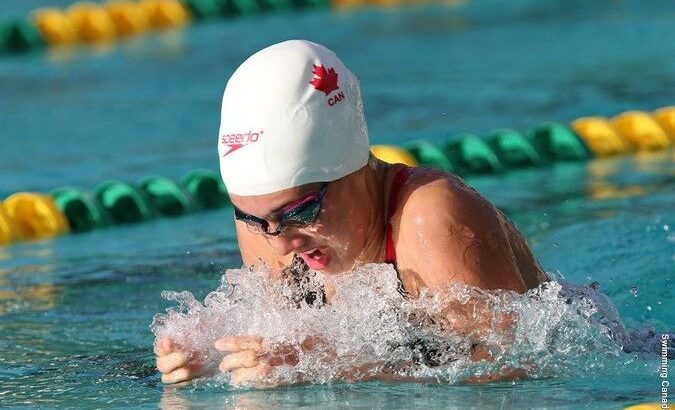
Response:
column 249, row 364
column 243, row 359
column 175, row 364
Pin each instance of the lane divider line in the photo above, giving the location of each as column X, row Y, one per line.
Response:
column 29, row 215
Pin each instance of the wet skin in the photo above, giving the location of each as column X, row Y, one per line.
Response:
column 443, row 231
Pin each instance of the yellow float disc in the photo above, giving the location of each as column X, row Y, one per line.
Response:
column 54, row 26
column 165, row 13
column 640, row 130
column 386, row 3
column 645, row 406
column 393, row 155
column 91, row 22
column 128, row 17
column 8, row 229
column 599, row 136
column 36, row 215
column 666, row 119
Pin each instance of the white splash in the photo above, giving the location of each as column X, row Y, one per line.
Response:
column 369, row 329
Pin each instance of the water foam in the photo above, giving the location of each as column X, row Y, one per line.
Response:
column 369, row 329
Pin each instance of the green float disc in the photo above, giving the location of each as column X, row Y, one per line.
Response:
column 310, row 3
column 166, row 196
column 83, row 210
column 273, row 5
column 512, row 149
column 204, row 9
column 557, row 142
column 207, row 188
column 19, row 35
column 239, row 7
column 124, row 203
column 429, row 154
column 471, row 155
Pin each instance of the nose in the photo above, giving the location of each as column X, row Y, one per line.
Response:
column 288, row 241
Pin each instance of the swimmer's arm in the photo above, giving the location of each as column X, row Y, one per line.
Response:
column 251, row 365
column 466, row 240
column 449, row 233
column 462, row 241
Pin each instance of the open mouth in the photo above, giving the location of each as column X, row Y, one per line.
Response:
column 316, row 259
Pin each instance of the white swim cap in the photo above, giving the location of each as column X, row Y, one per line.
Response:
column 292, row 114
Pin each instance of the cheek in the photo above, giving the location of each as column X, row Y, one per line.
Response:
column 347, row 230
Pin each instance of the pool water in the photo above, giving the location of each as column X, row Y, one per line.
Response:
column 75, row 311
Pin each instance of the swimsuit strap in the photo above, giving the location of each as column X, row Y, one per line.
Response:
column 399, row 179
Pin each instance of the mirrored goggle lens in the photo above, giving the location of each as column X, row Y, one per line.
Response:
column 306, row 215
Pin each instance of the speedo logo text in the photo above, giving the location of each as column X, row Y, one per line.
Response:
column 239, row 140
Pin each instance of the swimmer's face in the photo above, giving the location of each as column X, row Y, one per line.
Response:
column 332, row 243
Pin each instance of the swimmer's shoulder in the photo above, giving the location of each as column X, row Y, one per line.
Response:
column 429, row 193
column 434, row 201
column 445, row 231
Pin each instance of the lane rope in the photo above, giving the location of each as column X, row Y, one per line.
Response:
column 30, row 215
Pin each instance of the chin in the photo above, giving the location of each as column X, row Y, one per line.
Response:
column 331, row 270
column 337, row 266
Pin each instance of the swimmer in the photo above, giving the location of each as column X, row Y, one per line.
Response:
column 294, row 156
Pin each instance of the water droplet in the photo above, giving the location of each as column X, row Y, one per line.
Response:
column 649, row 308
column 666, row 228
column 634, row 291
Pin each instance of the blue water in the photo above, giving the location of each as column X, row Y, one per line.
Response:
column 74, row 312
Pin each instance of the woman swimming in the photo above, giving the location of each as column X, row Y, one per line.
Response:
column 294, row 156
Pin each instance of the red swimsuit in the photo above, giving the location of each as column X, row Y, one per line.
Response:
column 399, row 179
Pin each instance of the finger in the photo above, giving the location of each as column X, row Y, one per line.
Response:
column 178, row 375
column 182, row 374
column 252, row 376
column 243, row 359
column 280, row 355
column 164, row 346
column 171, row 361
column 310, row 343
column 238, row 343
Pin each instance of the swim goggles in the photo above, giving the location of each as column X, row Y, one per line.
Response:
column 306, row 213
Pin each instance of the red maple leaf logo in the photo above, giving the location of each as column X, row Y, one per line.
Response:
column 324, row 79
column 233, row 147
